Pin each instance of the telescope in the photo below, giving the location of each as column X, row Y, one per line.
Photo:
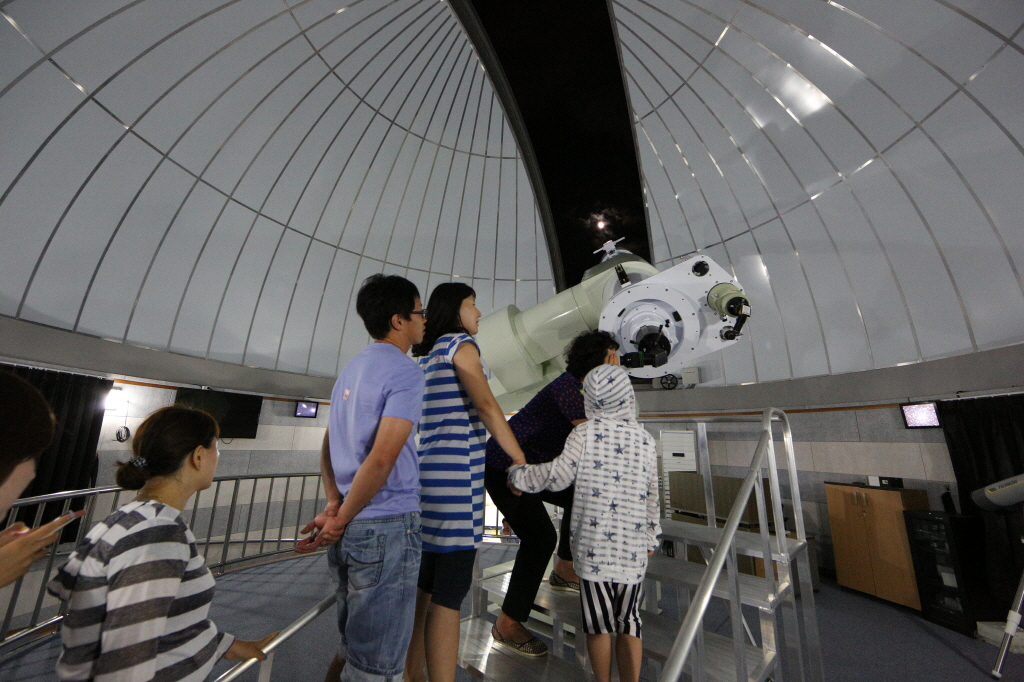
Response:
column 663, row 322
column 1005, row 493
column 999, row 495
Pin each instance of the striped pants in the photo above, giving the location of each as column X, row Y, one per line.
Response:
column 611, row 608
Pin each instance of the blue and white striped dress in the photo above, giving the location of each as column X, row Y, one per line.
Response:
column 452, row 442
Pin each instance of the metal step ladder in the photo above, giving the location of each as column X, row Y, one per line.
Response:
column 687, row 650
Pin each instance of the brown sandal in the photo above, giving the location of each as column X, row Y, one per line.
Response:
column 557, row 582
column 532, row 647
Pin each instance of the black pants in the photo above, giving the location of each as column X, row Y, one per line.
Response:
column 531, row 523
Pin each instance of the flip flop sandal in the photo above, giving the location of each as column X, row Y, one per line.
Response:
column 532, row 647
column 557, row 582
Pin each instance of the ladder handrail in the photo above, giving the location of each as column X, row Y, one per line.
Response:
column 282, row 637
column 702, row 597
column 87, row 492
column 17, row 607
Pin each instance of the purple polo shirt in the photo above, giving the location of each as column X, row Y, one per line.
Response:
column 543, row 424
column 381, row 381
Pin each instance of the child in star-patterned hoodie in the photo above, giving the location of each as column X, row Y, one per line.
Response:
column 615, row 515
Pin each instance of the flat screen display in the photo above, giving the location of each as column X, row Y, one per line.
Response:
column 237, row 413
column 305, row 408
column 920, row 416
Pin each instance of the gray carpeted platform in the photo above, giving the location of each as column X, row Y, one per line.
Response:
column 864, row 639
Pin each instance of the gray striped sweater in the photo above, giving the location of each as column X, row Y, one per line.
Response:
column 138, row 596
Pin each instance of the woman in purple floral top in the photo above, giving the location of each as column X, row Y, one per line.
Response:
column 541, row 428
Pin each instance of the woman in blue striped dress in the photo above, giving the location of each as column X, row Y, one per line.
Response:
column 457, row 405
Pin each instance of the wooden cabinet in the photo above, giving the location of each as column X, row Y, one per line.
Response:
column 869, row 538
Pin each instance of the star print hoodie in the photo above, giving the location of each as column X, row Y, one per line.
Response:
column 612, row 460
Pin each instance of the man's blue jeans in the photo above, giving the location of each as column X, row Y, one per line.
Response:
column 376, row 564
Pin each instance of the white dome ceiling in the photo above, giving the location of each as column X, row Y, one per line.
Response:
column 860, row 166
column 213, row 178
column 216, row 178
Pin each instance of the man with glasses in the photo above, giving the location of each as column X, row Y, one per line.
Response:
column 371, row 477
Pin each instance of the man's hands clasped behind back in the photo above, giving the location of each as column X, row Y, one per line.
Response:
column 325, row 529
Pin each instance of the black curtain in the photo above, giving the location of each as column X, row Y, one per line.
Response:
column 70, row 463
column 985, row 437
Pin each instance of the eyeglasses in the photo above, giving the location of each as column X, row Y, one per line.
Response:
column 422, row 312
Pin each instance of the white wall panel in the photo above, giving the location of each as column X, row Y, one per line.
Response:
column 111, row 47
column 333, row 313
column 468, row 219
column 410, row 84
column 515, row 251
column 484, row 289
column 768, row 339
column 526, row 294
column 122, row 268
column 210, row 131
column 35, row 206
column 174, row 111
column 838, row 306
column 796, row 303
column 165, row 280
column 237, row 153
column 31, row 111
column 403, row 54
column 991, row 166
column 687, row 119
column 321, row 209
column 50, row 24
column 944, row 38
column 412, row 197
column 208, row 279
column 882, row 303
column 275, row 296
column 348, row 212
column 303, row 305
column 237, row 306
column 976, row 257
column 504, row 293
column 303, row 158
column 264, row 172
column 373, row 205
column 78, row 242
column 152, row 73
column 485, row 236
column 843, row 81
column 442, row 249
column 933, row 303
column 998, row 89
column 1003, row 16
column 354, row 336
column 18, row 54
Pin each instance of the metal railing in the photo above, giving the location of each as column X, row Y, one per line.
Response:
column 774, row 550
column 237, row 519
column 267, row 664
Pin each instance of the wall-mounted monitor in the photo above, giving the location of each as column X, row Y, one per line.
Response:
column 306, row 409
column 237, row 413
column 920, row 415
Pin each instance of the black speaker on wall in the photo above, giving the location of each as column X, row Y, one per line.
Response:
column 237, row 413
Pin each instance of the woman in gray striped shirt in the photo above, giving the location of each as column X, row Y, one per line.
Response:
column 138, row 591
